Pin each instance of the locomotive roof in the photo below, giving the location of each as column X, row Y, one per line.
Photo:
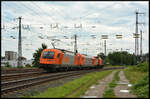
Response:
column 63, row 50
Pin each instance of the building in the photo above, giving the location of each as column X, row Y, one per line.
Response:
column 10, row 55
column 11, row 59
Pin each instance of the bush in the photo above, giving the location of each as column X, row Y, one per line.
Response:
column 19, row 66
column 28, row 65
column 141, row 88
column 7, row 65
column 143, row 67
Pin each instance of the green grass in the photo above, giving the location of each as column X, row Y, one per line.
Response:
column 136, row 75
column 67, row 89
column 139, row 79
column 141, row 88
column 115, row 79
column 109, row 93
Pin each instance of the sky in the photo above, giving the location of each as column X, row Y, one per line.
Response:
column 58, row 21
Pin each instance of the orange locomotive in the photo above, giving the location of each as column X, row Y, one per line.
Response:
column 58, row 59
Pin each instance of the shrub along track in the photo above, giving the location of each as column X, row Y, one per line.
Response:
column 15, row 85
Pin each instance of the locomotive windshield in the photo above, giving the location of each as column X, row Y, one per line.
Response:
column 48, row 55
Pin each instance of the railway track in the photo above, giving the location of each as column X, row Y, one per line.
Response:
column 10, row 86
column 15, row 76
column 21, row 70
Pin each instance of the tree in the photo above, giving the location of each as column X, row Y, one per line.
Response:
column 101, row 55
column 37, row 54
column 133, row 62
column 28, row 65
column 121, row 58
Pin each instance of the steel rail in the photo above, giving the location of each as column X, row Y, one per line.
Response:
column 37, row 80
column 11, row 71
column 48, row 78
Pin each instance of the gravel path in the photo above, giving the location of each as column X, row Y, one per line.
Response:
column 123, row 86
column 97, row 91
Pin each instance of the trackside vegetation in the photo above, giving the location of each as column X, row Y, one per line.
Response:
column 139, row 79
column 74, row 88
column 122, row 58
column 37, row 54
column 109, row 93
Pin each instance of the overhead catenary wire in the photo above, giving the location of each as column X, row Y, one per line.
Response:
column 61, row 29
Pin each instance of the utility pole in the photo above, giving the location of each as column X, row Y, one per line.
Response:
column 141, row 46
column 19, row 45
column 75, row 46
column 136, row 32
column 105, row 46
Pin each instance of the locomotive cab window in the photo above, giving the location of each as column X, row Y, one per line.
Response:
column 48, row 55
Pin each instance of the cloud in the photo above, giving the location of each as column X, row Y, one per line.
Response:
column 109, row 18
